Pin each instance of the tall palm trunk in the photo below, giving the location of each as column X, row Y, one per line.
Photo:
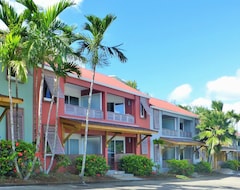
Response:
column 17, row 123
column 86, row 127
column 56, row 125
column 12, row 124
column 39, row 127
column 46, row 131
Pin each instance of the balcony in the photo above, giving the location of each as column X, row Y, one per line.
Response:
column 169, row 132
column 81, row 111
column 120, row 117
column 185, row 134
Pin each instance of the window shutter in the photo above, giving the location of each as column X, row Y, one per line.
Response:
column 144, row 102
column 58, row 146
column 18, row 122
column 50, row 83
column 144, row 145
column 156, row 153
column 156, row 122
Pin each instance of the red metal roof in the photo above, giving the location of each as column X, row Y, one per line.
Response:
column 166, row 106
column 109, row 81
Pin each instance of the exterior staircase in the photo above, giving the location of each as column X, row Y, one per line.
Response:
column 121, row 175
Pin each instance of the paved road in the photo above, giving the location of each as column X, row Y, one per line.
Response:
column 226, row 182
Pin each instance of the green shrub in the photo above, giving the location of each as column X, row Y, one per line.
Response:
column 24, row 154
column 95, row 165
column 136, row 164
column 203, row 167
column 180, row 167
column 231, row 164
column 62, row 161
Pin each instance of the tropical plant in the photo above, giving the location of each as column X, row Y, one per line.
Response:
column 136, row 164
column 98, row 54
column 95, row 165
column 46, row 41
column 24, row 155
column 231, row 164
column 180, row 167
column 61, row 68
column 216, row 129
column 133, row 84
column 203, row 167
column 11, row 59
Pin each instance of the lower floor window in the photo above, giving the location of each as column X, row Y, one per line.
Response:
column 75, row 145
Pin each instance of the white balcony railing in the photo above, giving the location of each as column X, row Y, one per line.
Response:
column 185, row 134
column 81, row 111
column 169, row 132
column 120, row 117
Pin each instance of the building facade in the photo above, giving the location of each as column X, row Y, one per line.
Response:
column 118, row 120
column 176, row 128
column 23, row 114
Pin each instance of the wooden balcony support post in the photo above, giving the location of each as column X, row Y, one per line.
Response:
column 141, row 140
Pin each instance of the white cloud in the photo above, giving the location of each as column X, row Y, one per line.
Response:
column 225, row 88
column 234, row 106
column 180, row 93
column 46, row 3
column 41, row 3
column 202, row 102
column 3, row 26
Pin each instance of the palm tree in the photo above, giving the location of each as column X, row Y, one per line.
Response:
column 98, row 55
column 216, row 129
column 45, row 43
column 61, row 68
column 133, row 84
column 10, row 51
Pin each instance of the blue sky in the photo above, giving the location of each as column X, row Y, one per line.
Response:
column 182, row 51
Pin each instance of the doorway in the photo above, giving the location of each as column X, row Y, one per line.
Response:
column 116, row 146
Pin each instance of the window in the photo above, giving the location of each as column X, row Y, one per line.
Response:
column 94, row 145
column 75, row 145
column 110, row 106
column 49, row 88
column 142, row 111
column 116, row 107
column 169, row 153
column 72, row 146
column 95, row 101
column 46, row 91
column 13, row 74
column 72, row 100
column 181, row 126
column 18, row 122
column 119, row 108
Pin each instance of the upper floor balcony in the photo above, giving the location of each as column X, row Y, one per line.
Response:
column 98, row 114
column 117, row 108
column 82, row 111
column 120, row 117
column 174, row 133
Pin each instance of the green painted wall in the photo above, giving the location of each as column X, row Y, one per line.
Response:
column 26, row 93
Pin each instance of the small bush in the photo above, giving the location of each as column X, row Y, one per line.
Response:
column 95, row 165
column 180, row 167
column 62, row 161
column 203, row 167
column 24, row 154
column 137, row 165
column 231, row 164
